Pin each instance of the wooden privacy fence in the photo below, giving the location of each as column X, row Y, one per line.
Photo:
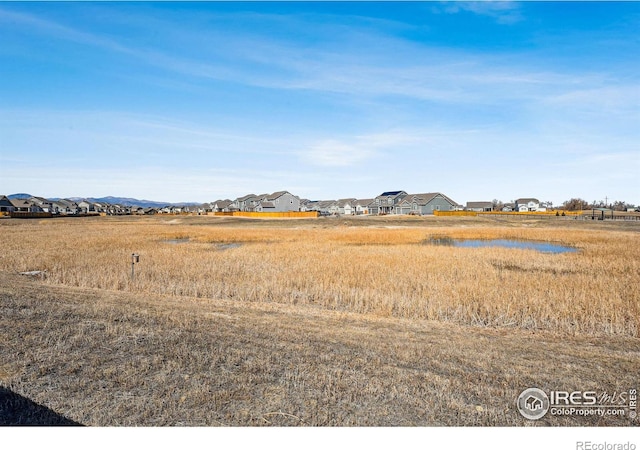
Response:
column 507, row 213
column 288, row 214
column 455, row 213
column 30, row 215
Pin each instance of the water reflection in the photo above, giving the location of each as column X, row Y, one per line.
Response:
column 543, row 247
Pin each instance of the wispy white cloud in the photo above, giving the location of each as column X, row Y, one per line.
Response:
column 503, row 12
column 336, row 153
column 54, row 29
column 603, row 98
column 111, row 139
column 360, row 150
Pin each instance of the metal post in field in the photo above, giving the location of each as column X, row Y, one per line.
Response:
column 135, row 258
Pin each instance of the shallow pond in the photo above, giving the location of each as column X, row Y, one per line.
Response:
column 543, row 247
column 177, row 241
column 228, row 246
column 216, row 246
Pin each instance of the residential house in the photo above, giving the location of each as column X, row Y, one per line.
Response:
column 245, row 203
column 527, row 205
column 334, row 209
column 65, row 206
column 386, row 202
column 362, row 206
column 100, row 207
column 44, row 204
column 202, row 209
column 86, row 207
column 508, row 207
column 265, row 207
column 221, row 205
column 253, row 203
column 304, row 202
column 324, row 207
column 405, row 206
column 346, row 206
column 5, row 204
column 281, row 201
column 24, row 205
column 479, row 206
column 426, row 203
column 57, row 207
column 118, row 210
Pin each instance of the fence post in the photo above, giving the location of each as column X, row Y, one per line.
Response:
column 135, row 258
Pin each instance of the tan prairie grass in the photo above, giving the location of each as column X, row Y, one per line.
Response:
column 113, row 358
column 383, row 269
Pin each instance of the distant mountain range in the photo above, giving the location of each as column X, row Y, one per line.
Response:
column 123, row 201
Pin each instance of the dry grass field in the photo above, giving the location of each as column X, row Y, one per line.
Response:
column 330, row 322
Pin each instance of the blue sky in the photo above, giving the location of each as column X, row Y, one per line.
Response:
column 201, row 101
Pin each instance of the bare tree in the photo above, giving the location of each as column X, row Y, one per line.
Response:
column 620, row 205
column 575, row 204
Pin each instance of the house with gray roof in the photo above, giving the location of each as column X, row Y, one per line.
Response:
column 508, row 207
column 346, row 206
column 5, row 204
column 324, row 207
column 479, row 206
column 386, row 202
column 24, row 205
column 65, row 206
column 221, row 205
column 362, row 206
column 426, row 203
column 304, row 204
column 44, row 204
column 86, row 206
column 253, row 203
column 528, row 204
column 281, row 201
column 242, row 203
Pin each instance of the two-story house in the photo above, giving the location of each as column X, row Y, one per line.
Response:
column 527, row 204
column 386, row 202
column 281, row 201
